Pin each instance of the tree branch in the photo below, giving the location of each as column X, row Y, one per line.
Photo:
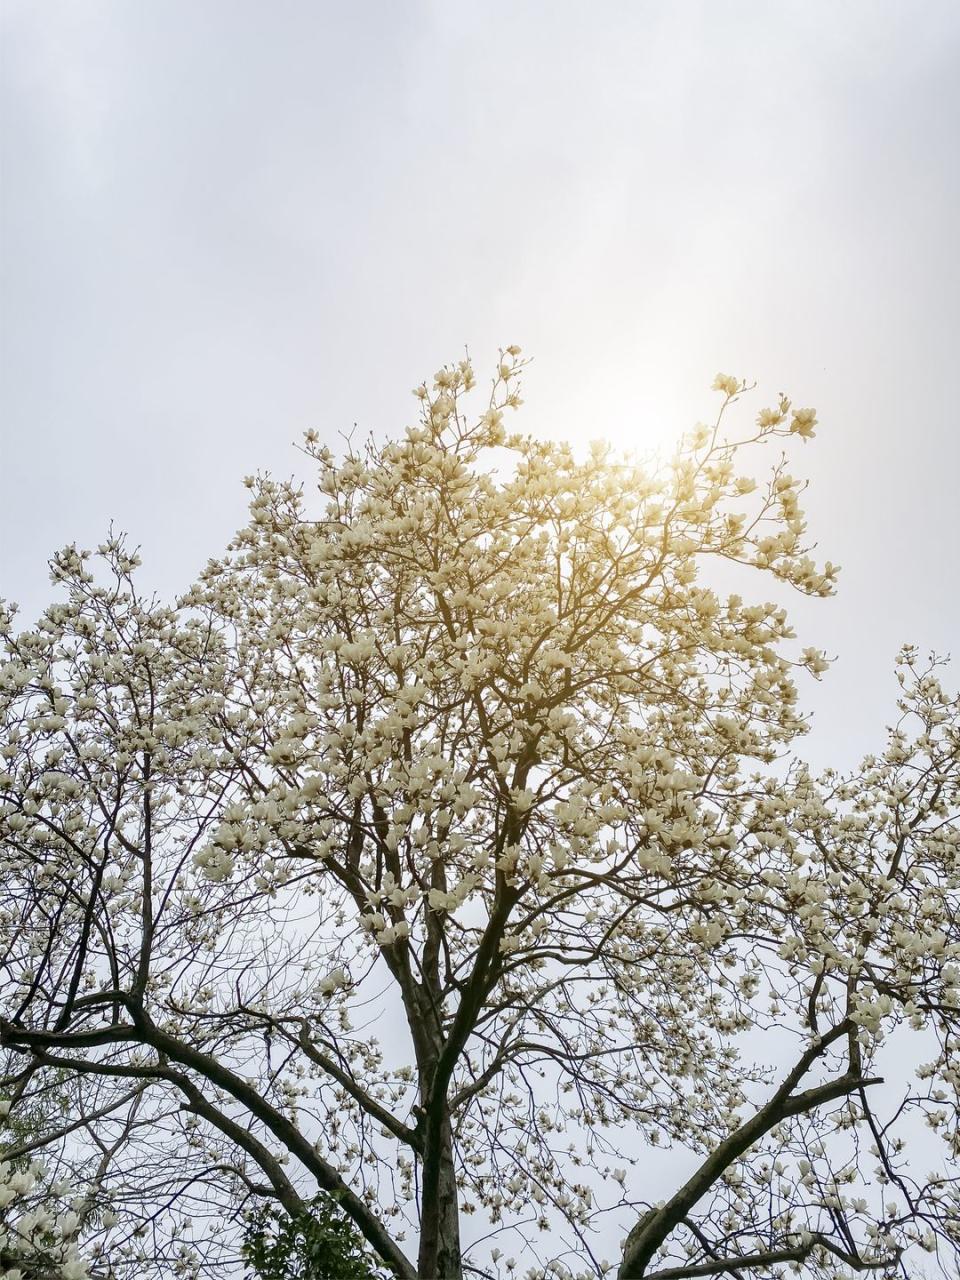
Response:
column 768, row 1259
column 658, row 1225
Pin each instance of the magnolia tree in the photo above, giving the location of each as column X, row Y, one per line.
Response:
column 441, row 854
column 40, row 1218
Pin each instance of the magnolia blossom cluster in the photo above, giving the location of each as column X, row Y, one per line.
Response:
column 37, row 1231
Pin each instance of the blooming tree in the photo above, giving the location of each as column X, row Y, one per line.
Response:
column 441, row 852
column 40, row 1214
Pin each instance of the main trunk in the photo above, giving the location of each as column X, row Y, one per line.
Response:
column 440, row 1212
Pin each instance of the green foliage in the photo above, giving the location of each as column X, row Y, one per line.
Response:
column 318, row 1244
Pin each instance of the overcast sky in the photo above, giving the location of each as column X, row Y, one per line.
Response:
column 226, row 222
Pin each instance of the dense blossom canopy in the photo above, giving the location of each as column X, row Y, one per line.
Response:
column 441, row 851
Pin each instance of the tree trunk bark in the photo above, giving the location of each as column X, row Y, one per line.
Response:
column 440, row 1214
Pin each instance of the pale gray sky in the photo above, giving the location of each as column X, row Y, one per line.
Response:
column 226, row 222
